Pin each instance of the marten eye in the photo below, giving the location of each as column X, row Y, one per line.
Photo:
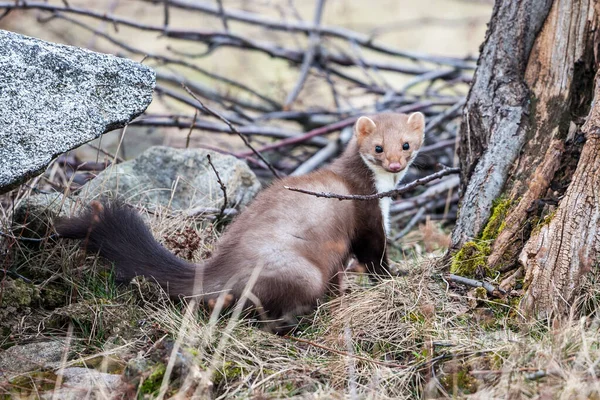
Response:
column 378, row 149
column 405, row 146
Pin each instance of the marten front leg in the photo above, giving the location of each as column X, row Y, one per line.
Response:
column 370, row 251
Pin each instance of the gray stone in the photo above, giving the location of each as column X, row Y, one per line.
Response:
column 54, row 98
column 176, row 178
column 81, row 383
column 28, row 357
column 78, row 376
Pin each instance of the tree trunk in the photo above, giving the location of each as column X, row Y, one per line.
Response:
column 520, row 147
column 559, row 255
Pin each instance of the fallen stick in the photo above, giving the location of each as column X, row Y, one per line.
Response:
column 491, row 289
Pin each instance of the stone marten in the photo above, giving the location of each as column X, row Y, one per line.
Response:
column 299, row 242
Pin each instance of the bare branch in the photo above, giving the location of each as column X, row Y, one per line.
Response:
column 166, row 13
column 335, row 127
column 219, row 39
column 309, row 57
column 187, row 139
column 184, row 122
column 413, row 221
column 337, row 32
column 234, row 129
column 391, row 193
column 222, row 15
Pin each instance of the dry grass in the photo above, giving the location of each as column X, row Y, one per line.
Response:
column 405, row 337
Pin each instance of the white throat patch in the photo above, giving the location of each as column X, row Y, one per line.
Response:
column 385, row 181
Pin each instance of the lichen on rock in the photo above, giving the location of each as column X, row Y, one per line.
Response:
column 55, row 97
column 177, row 178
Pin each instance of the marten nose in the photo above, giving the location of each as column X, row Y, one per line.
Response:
column 395, row 167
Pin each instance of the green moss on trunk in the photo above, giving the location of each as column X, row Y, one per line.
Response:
column 497, row 220
column 471, row 259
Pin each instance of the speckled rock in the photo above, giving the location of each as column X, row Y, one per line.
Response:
column 84, row 383
column 176, row 178
column 54, row 98
column 32, row 356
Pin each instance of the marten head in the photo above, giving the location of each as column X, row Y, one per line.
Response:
column 390, row 141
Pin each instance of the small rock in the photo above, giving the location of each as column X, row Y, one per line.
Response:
column 176, row 178
column 85, row 377
column 32, row 356
column 80, row 383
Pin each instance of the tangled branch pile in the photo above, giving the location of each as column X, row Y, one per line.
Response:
column 341, row 74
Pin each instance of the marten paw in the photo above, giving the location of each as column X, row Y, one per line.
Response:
column 220, row 303
column 356, row 267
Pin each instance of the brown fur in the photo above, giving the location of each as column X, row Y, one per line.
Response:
column 300, row 242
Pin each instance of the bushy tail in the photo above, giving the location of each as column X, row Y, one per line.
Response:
column 117, row 233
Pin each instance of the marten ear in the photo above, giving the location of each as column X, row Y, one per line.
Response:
column 364, row 127
column 416, row 121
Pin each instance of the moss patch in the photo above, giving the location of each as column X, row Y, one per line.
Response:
column 17, row 293
column 31, row 383
column 497, row 221
column 471, row 259
column 152, row 383
column 459, row 383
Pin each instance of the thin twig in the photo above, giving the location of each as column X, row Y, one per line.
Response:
column 194, row 212
column 222, row 185
column 233, row 129
column 391, row 193
column 189, row 135
column 413, row 221
column 430, row 194
column 223, row 15
column 324, row 154
column 447, row 114
column 309, row 56
column 166, row 15
column 106, row 153
column 27, row 239
column 248, row 130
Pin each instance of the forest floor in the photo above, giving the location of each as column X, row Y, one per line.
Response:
column 411, row 336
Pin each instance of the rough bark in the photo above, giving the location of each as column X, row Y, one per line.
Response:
column 560, row 74
column 558, row 256
column 495, row 116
